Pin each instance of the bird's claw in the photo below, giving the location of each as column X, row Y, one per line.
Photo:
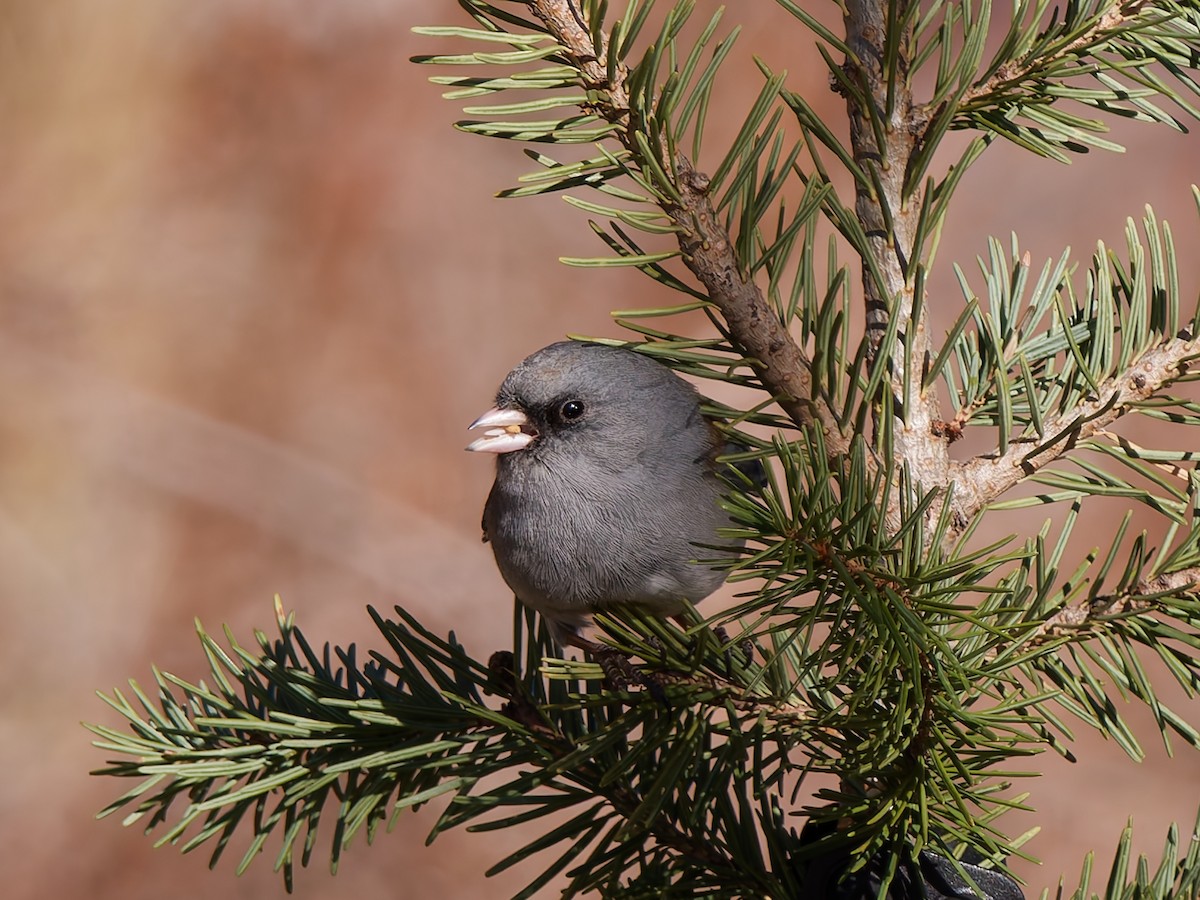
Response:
column 659, row 646
column 619, row 671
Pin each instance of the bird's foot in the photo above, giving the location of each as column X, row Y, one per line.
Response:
column 503, row 669
column 620, row 673
column 728, row 647
column 619, row 670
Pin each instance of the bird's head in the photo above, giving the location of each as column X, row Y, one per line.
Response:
column 603, row 403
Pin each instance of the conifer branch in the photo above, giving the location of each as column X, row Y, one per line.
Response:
column 312, row 736
column 707, row 246
column 877, row 648
column 619, row 795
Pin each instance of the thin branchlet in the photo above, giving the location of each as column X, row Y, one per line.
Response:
column 1079, row 620
column 979, row 481
column 708, row 249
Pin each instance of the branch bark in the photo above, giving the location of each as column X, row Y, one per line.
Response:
column 883, row 138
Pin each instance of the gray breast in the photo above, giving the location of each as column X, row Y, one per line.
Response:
column 573, row 544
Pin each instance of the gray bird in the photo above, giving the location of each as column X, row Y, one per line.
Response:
column 606, row 490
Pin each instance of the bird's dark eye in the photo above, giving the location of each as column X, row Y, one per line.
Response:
column 571, row 410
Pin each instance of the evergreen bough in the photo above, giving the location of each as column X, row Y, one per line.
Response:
column 883, row 671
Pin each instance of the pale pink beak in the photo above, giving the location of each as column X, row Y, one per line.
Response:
column 504, row 431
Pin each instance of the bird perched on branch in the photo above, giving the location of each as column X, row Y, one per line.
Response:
column 607, row 490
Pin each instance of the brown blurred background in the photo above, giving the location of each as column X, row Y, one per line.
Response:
column 253, row 289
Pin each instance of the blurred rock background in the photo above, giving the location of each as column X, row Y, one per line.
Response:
column 252, row 289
